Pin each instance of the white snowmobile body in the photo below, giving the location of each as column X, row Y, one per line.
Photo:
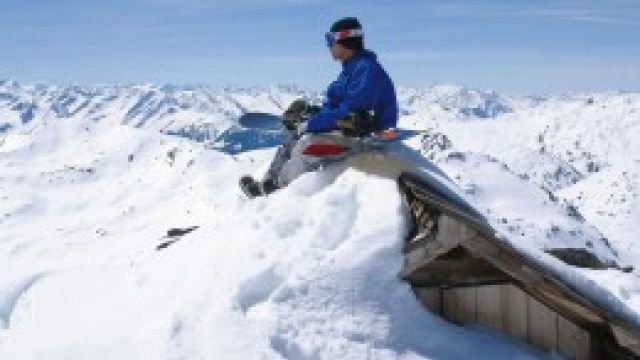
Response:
column 389, row 159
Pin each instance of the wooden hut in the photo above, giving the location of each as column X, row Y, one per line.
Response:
column 463, row 270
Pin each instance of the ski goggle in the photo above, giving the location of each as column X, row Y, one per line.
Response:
column 332, row 37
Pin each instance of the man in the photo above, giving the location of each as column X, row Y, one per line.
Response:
column 361, row 101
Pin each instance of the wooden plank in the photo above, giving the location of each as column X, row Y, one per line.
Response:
column 468, row 301
column 431, row 298
column 515, row 316
column 421, row 255
column 459, row 305
column 413, row 260
column 508, row 262
column 557, row 295
column 460, row 272
column 607, row 348
column 565, row 303
column 542, row 325
column 449, row 305
column 573, row 342
column 489, row 306
column 628, row 338
column 536, row 281
column 452, row 231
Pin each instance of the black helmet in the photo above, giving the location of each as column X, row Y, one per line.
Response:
column 347, row 32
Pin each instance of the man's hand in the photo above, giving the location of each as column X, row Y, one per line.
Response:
column 291, row 121
column 295, row 114
column 357, row 124
column 348, row 122
column 298, row 112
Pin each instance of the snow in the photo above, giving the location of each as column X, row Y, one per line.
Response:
column 89, row 188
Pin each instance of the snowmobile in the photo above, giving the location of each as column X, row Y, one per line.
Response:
column 382, row 153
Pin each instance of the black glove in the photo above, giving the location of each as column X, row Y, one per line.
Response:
column 358, row 123
column 299, row 111
column 294, row 114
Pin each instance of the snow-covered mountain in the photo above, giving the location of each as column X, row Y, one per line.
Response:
column 92, row 178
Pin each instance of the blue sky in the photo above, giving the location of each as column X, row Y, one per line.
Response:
column 514, row 46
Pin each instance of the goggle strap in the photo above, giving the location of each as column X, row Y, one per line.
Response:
column 343, row 34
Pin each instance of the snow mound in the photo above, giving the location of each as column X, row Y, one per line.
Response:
column 257, row 279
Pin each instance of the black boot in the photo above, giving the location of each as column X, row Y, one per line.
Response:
column 250, row 187
column 269, row 186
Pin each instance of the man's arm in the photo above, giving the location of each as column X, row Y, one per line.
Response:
column 360, row 95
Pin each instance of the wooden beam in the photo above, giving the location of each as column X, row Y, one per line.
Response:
column 568, row 305
column 627, row 338
column 450, row 234
column 415, row 259
column 456, row 273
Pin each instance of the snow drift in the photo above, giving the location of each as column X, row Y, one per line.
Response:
column 90, row 185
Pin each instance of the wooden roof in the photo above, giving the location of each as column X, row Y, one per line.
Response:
column 467, row 250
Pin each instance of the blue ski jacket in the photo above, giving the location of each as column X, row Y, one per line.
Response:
column 362, row 85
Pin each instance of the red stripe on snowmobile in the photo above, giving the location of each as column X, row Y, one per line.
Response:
column 324, row 149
